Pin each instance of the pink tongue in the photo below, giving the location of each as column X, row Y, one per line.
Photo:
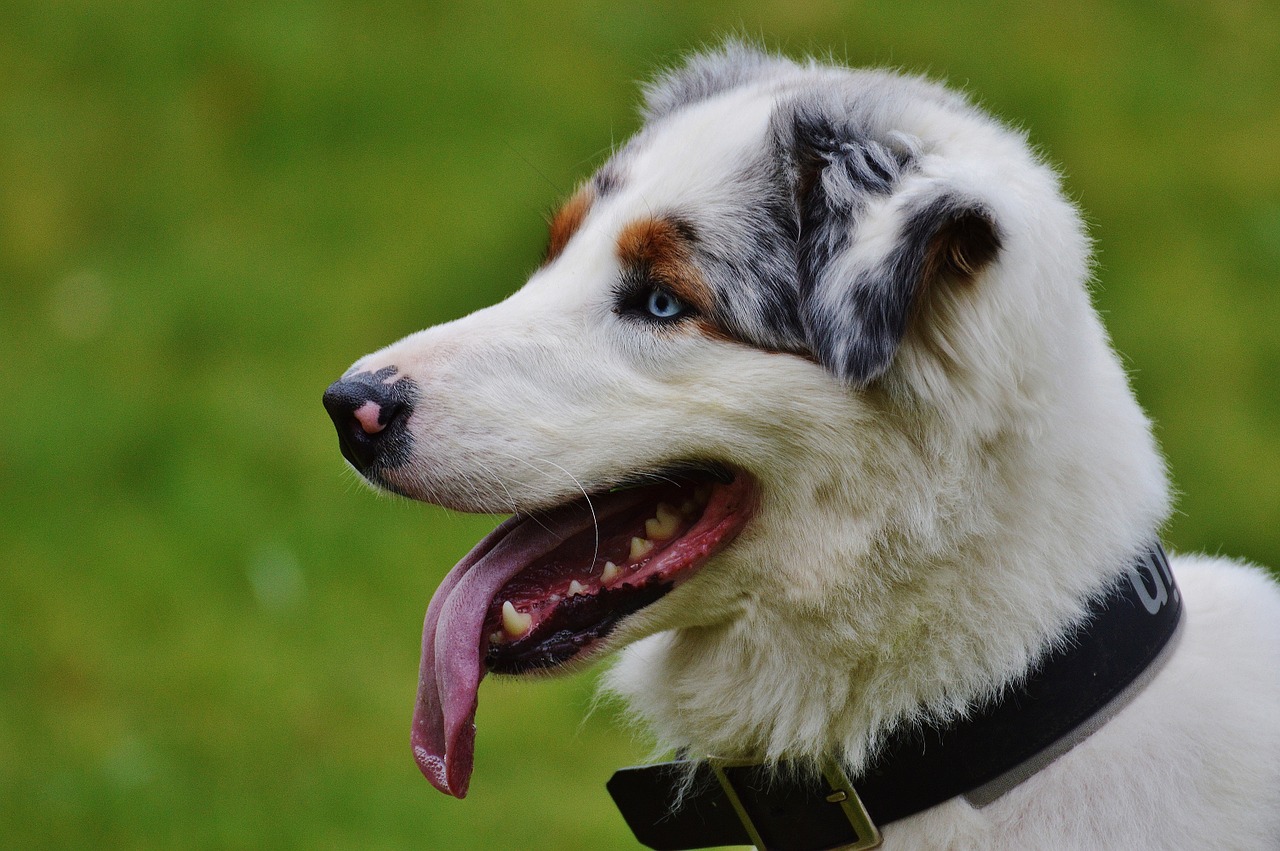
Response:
column 452, row 666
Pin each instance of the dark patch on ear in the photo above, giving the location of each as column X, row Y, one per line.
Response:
column 856, row 326
column 848, row 161
column 963, row 246
column 837, row 170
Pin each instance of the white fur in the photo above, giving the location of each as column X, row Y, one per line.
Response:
column 920, row 541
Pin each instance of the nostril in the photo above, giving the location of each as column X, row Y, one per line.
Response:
column 369, row 415
column 374, row 417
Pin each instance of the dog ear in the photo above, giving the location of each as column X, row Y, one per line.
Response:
column 876, row 239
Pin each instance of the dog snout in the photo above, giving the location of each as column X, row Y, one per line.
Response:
column 370, row 416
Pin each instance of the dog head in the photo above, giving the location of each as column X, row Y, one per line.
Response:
column 795, row 301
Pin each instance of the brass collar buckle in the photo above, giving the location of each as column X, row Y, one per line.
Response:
column 839, row 792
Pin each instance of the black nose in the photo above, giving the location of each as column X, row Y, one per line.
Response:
column 370, row 415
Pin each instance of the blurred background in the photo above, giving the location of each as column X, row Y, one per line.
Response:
column 209, row 631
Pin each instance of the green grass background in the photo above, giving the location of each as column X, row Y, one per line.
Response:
column 208, row 631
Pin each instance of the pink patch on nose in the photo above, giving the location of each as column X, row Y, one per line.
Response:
column 367, row 415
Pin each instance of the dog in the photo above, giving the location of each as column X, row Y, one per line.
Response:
column 808, row 413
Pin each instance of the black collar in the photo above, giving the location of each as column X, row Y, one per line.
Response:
column 1070, row 693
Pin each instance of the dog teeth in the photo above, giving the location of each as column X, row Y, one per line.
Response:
column 663, row 526
column 611, row 570
column 688, row 508
column 497, row 637
column 576, row 588
column 514, row 623
column 640, row 547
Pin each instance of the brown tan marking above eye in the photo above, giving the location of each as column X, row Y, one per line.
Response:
column 567, row 220
column 659, row 249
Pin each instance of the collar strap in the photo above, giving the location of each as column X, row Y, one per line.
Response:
column 784, row 807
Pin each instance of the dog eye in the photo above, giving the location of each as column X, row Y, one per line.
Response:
column 661, row 304
column 647, row 300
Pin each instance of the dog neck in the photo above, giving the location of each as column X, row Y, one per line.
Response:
column 1072, row 691
column 866, row 609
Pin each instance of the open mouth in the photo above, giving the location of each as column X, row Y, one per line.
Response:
column 546, row 589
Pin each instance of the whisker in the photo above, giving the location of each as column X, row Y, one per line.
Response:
column 595, row 521
column 532, row 514
column 510, row 500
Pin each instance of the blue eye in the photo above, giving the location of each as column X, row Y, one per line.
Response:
column 647, row 300
column 663, row 305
